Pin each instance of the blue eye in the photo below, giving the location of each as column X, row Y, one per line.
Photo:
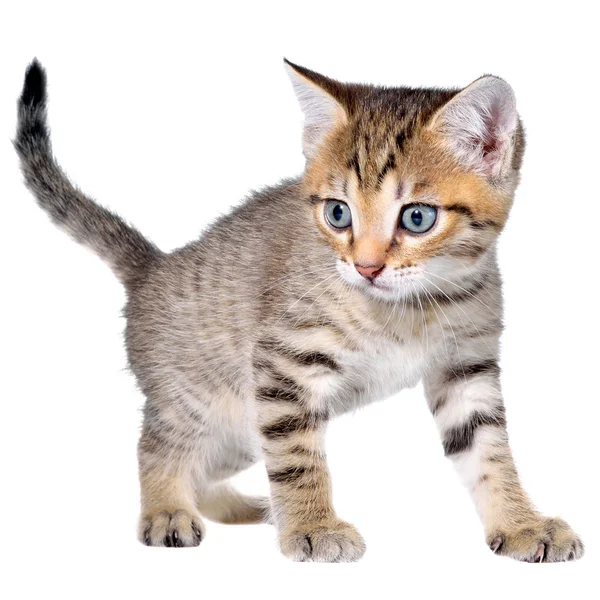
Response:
column 338, row 214
column 418, row 218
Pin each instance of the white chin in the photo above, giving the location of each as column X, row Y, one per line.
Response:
column 380, row 291
column 385, row 293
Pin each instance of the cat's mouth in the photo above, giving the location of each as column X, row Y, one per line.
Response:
column 392, row 285
column 386, row 290
column 379, row 285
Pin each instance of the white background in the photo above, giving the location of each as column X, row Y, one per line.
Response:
column 170, row 115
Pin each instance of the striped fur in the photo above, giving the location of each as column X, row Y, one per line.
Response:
column 249, row 340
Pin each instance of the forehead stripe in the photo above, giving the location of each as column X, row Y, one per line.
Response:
column 354, row 164
column 390, row 164
column 400, row 139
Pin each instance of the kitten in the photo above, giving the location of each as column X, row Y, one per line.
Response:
column 373, row 270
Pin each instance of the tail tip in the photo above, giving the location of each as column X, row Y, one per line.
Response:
column 34, row 88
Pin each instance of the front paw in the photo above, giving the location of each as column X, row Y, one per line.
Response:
column 541, row 540
column 173, row 529
column 327, row 541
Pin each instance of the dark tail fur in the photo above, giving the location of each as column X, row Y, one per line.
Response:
column 120, row 245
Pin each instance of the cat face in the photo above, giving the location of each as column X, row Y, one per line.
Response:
column 410, row 187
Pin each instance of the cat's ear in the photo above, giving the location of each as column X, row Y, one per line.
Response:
column 479, row 125
column 322, row 111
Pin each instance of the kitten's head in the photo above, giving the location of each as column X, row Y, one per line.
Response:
column 411, row 187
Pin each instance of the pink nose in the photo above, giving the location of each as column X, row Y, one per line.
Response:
column 369, row 272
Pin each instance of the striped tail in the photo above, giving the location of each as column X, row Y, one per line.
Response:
column 124, row 248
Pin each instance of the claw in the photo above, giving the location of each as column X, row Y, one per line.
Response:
column 197, row 533
column 539, row 555
column 177, row 543
column 495, row 544
column 147, row 540
column 309, row 544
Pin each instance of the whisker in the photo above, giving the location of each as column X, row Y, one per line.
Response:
column 305, row 294
column 298, row 275
column 329, row 286
column 466, row 292
column 447, row 354
column 453, row 302
column 453, row 335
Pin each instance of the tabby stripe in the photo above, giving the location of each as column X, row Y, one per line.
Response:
column 154, row 423
column 462, row 371
column 264, row 365
column 283, row 381
column 324, row 324
column 320, row 323
column 303, row 358
column 460, row 208
column 498, row 458
column 316, row 359
column 291, row 474
column 467, row 212
column 314, row 199
column 276, row 393
column 192, row 414
column 297, row 450
column 354, row 164
column 292, row 424
column 460, row 438
column 260, row 363
column 156, row 443
column 484, row 224
column 400, row 139
column 473, row 332
column 467, row 249
column 300, row 450
column 390, row 164
column 438, row 404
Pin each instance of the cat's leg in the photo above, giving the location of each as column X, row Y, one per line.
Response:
column 170, row 475
column 465, row 399
column 223, row 504
column 292, row 423
column 232, row 450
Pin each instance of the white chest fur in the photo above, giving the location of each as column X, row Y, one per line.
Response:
column 380, row 369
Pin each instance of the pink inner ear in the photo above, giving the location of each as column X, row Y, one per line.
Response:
column 493, row 153
column 479, row 124
column 498, row 124
column 491, row 123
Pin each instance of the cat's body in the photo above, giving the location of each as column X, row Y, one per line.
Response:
column 209, row 362
column 247, row 341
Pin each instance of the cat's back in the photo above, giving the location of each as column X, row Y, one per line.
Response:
column 200, row 307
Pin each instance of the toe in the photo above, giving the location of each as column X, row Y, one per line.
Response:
column 198, row 535
column 541, row 540
column 335, row 541
column 171, row 529
column 176, row 540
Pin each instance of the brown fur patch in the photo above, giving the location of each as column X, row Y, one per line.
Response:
column 364, row 160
